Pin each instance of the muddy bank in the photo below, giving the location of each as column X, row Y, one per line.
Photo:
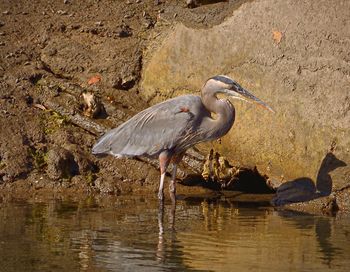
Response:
column 52, row 53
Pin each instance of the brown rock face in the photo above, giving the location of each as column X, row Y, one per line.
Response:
column 297, row 61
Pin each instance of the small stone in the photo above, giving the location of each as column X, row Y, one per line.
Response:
column 2, row 23
column 65, row 2
column 124, row 31
column 2, row 43
column 6, row 12
column 299, row 70
column 99, row 23
column 62, row 12
column 93, row 106
column 124, row 83
column 94, row 31
column 62, row 28
column 10, row 55
column 148, row 22
column 51, row 52
column 291, row 135
column 61, row 164
column 2, row 34
column 75, row 27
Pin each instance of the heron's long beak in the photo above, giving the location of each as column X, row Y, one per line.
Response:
column 240, row 93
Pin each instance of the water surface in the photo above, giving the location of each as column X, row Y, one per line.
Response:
column 132, row 234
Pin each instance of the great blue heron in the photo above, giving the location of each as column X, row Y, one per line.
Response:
column 166, row 130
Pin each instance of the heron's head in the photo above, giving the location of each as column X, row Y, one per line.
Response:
column 225, row 85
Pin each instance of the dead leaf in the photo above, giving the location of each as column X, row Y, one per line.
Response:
column 94, row 79
column 277, row 36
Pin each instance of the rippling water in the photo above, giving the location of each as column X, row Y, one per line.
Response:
column 133, row 234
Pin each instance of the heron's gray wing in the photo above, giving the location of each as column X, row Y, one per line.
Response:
column 153, row 130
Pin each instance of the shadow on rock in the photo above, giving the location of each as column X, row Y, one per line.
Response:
column 304, row 189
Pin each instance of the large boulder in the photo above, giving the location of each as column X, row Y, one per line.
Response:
column 295, row 56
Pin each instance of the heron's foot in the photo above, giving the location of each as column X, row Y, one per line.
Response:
column 173, row 197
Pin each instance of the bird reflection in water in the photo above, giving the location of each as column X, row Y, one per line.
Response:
column 161, row 246
column 322, row 226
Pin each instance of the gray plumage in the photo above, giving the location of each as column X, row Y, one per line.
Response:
column 175, row 125
column 166, row 130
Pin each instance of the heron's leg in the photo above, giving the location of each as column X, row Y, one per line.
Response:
column 172, row 186
column 164, row 160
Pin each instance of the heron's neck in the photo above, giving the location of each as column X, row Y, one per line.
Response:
column 225, row 115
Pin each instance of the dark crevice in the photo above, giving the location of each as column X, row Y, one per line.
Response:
column 246, row 181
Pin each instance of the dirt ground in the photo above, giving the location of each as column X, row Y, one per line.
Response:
column 52, row 52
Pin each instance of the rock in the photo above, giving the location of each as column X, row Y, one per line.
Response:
column 305, row 189
column 62, row 12
column 191, row 3
column 93, row 106
column 303, row 77
column 216, row 168
column 61, row 164
column 343, row 200
column 124, row 82
column 107, row 186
